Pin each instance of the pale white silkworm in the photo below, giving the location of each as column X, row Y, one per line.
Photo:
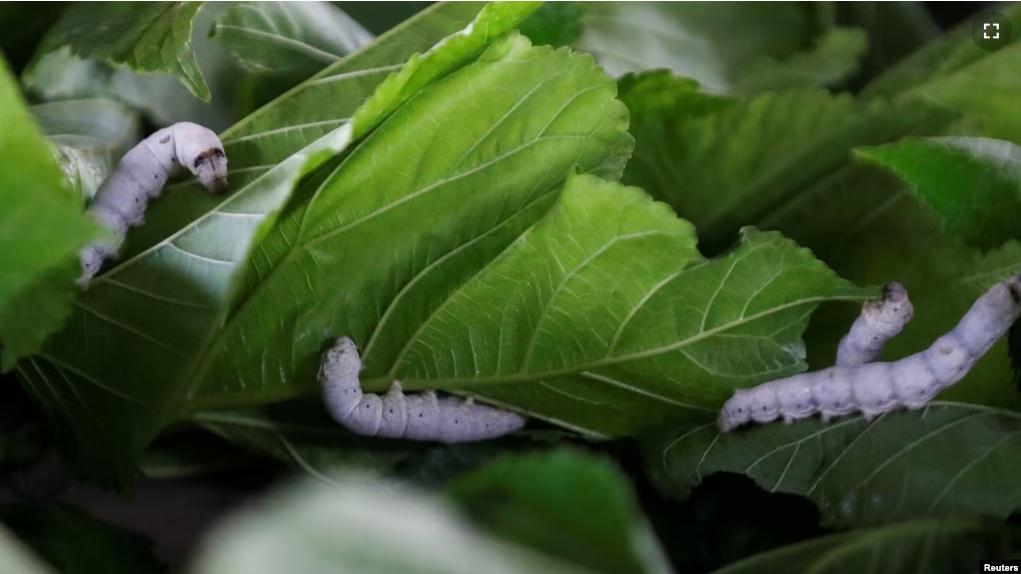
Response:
column 419, row 416
column 878, row 387
column 880, row 320
column 140, row 175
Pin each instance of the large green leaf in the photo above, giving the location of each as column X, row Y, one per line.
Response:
column 604, row 318
column 946, row 546
column 360, row 524
column 283, row 36
column 42, row 227
column 146, row 37
column 564, row 504
column 439, row 221
column 973, row 184
column 632, row 342
column 77, row 543
column 947, row 459
column 117, row 370
column 725, row 46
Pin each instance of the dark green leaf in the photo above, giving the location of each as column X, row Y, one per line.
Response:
column 955, row 73
column 895, row 30
column 555, row 24
column 833, row 59
column 565, row 504
column 949, row 459
column 973, row 184
column 23, row 26
column 725, row 46
column 725, row 163
column 938, row 546
column 77, row 543
column 380, row 17
column 939, row 60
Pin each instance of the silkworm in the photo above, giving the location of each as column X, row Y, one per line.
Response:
column 878, row 387
column 420, row 416
column 880, row 320
column 140, row 175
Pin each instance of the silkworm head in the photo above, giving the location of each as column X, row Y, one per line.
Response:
column 341, row 360
column 735, row 412
column 91, row 260
column 200, row 150
column 210, row 167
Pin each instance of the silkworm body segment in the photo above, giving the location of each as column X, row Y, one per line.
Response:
column 419, row 416
column 141, row 174
column 877, row 387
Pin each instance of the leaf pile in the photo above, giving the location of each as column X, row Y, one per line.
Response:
column 605, row 216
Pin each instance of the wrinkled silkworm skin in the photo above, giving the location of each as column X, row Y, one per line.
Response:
column 141, row 175
column 420, row 416
column 879, row 387
column 880, row 320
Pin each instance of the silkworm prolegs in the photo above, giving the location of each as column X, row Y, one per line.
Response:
column 877, row 387
column 419, row 416
column 140, row 175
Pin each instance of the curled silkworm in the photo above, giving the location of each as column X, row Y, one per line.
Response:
column 141, row 174
column 880, row 320
column 879, row 387
column 419, row 416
